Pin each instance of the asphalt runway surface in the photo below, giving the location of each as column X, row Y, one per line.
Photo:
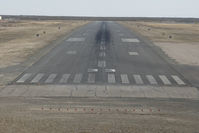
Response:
column 102, row 53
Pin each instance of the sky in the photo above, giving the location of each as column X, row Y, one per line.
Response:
column 102, row 8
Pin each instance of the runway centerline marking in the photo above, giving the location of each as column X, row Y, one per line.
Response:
column 102, row 48
column 102, row 54
column 102, row 64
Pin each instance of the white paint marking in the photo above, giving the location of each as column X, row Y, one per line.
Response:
column 77, row 78
column 110, row 70
column 102, row 42
column 76, row 40
column 92, row 70
column 37, row 78
column 102, row 64
column 51, row 78
column 111, row 78
column 24, row 78
column 138, row 79
column 130, row 40
column 64, row 78
column 165, row 80
column 124, row 78
column 102, row 48
column 178, row 80
column 133, row 53
column 91, row 78
column 71, row 52
column 151, row 79
column 102, row 54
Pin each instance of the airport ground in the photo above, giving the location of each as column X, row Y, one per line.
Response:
column 85, row 76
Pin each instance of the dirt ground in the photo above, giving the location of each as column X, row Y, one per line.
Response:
column 46, row 115
column 180, row 41
column 21, row 39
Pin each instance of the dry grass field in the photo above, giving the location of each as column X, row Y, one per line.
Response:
column 178, row 40
column 19, row 39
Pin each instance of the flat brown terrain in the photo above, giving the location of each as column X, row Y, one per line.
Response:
column 83, row 115
column 179, row 41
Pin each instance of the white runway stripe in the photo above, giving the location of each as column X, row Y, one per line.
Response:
column 37, row 78
column 51, row 78
column 24, row 78
column 76, row 39
column 91, row 78
column 165, row 80
column 151, row 79
column 111, row 78
column 102, row 48
column 77, row 78
column 130, row 40
column 133, row 53
column 178, row 80
column 102, row 54
column 138, row 79
column 102, row 64
column 64, row 78
column 124, row 78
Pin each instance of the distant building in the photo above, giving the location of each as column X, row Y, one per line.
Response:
column 0, row 18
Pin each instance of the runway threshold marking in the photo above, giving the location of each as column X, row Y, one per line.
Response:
column 64, row 78
column 91, row 78
column 124, row 78
column 24, row 78
column 165, row 80
column 111, row 78
column 138, row 79
column 178, row 80
column 77, row 78
column 37, row 78
column 151, row 79
column 51, row 78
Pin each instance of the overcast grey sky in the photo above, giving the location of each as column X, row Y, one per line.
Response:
column 130, row 8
